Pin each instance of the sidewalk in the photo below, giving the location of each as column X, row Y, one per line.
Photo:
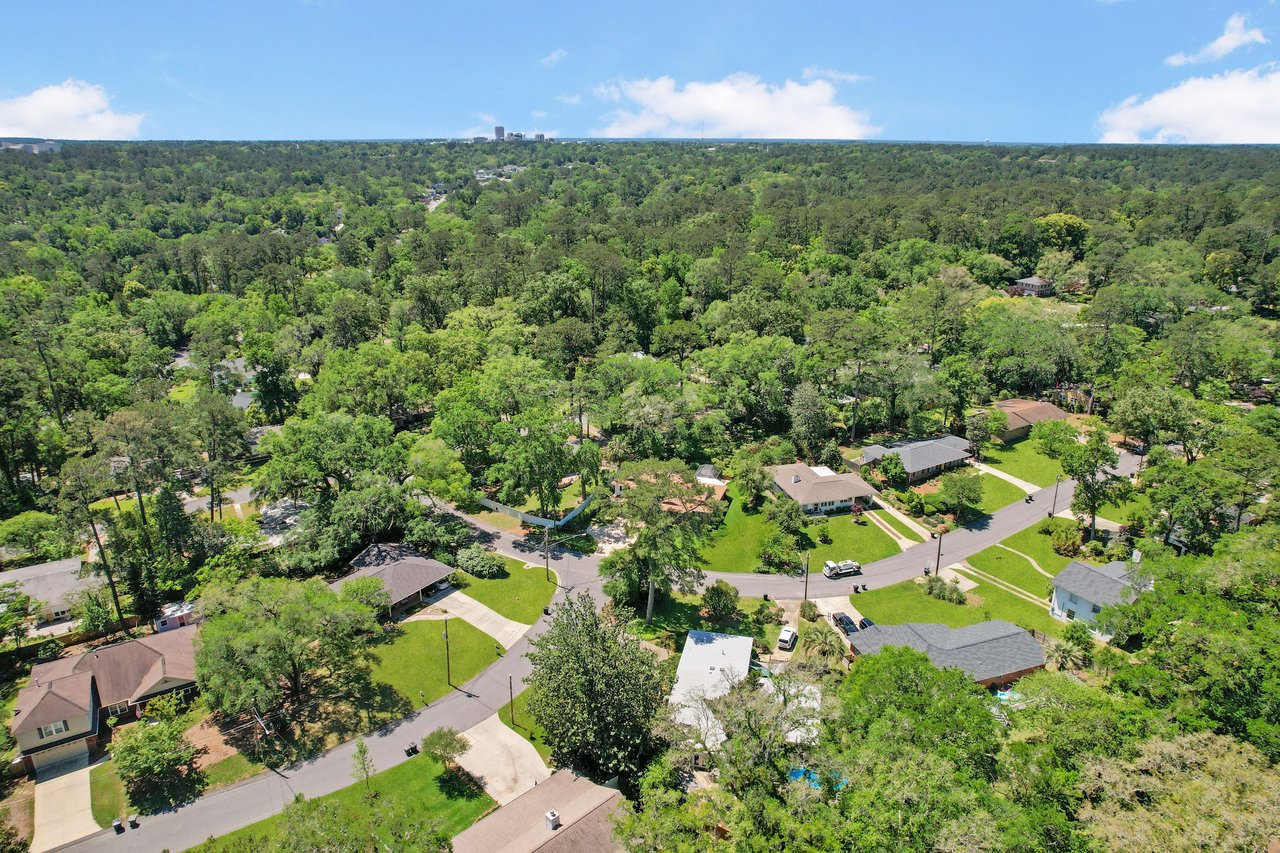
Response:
column 903, row 517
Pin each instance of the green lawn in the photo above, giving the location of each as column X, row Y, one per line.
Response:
column 1008, row 566
column 570, row 496
column 735, row 546
column 892, row 520
column 1123, row 513
column 106, row 794
column 1021, row 459
column 419, row 784
column 676, row 615
column 231, row 769
column 997, row 493
column 1038, row 547
column 850, row 540
column 525, row 725
column 414, row 661
column 520, row 595
column 907, row 602
column 184, row 391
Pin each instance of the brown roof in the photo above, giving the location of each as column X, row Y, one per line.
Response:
column 1023, row 413
column 806, row 486
column 402, row 569
column 520, row 826
column 124, row 672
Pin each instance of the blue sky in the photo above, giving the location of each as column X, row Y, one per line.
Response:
column 1030, row 70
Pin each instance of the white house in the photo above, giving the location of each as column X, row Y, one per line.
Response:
column 1080, row 591
column 710, row 665
column 818, row 489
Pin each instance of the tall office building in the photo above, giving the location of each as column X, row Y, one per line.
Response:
column 499, row 133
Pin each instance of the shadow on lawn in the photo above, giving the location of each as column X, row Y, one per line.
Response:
column 458, row 784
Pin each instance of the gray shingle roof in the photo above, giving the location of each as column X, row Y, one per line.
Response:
column 986, row 650
column 804, row 485
column 919, row 456
column 53, row 583
column 1101, row 585
column 403, row 571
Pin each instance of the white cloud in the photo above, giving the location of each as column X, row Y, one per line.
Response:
column 72, row 109
column 539, row 114
column 740, row 105
column 815, row 73
column 571, row 100
column 553, row 57
column 1240, row 106
column 1233, row 37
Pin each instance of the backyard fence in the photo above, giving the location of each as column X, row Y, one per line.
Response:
column 535, row 520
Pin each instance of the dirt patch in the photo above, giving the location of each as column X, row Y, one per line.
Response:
column 928, row 487
column 213, row 745
column 21, row 804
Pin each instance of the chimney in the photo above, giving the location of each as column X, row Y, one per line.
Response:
column 553, row 819
column 795, row 478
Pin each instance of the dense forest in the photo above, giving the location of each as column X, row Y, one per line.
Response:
column 386, row 328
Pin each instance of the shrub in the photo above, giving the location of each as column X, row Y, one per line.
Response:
column 1093, row 549
column 477, row 562
column 948, row 591
column 720, row 600
column 1065, row 539
column 809, row 611
column 768, row 614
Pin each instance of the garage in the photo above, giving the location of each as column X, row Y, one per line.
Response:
column 60, row 753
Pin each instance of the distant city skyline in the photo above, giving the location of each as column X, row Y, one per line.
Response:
column 1079, row 71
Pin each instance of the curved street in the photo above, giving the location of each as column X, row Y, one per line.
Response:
column 267, row 794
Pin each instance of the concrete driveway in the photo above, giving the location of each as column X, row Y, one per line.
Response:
column 63, row 813
column 506, row 631
column 505, row 763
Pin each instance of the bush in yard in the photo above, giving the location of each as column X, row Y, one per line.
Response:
column 809, row 611
column 948, row 591
column 892, row 470
column 479, row 563
column 914, row 502
column 1065, row 538
column 1077, row 633
column 720, row 601
column 1093, row 549
column 153, row 757
column 779, row 552
column 768, row 614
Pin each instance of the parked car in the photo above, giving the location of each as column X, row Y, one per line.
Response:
column 787, row 639
column 844, row 623
column 865, row 623
column 841, row 569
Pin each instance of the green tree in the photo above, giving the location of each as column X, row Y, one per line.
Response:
column 962, row 491
column 594, row 690
column 445, row 745
column 438, row 473
column 667, row 514
column 18, row 612
column 81, row 480
column 154, row 759
column 811, row 421
column 786, row 515
column 1091, row 465
column 720, row 601
column 362, row 767
column 221, row 437
column 891, row 468
column 533, row 458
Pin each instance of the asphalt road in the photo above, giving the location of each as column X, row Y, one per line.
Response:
column 266, row 794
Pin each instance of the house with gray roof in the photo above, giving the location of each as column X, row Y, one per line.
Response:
column 818, row 489
column 1034, row 286
column 921, row 459
column 53, row 584
column 408, row 576
column 563, row 814
column 1080, row 591
column 991, row 653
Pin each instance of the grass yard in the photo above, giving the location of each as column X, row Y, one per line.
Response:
column 526, row 727
column 498, row 520
column 1038, row 547
column 520, row 595
column 1021, row 459
column 997, row 493
column 850, row 540
column 907, row 602
column 735, row 547
column 185, row 391
column 1008, row 566
column 231, row 769
column 419, row 785
column 414, row 660
column 892, row 520
column 1123, row 513
column 570, row 496
column 107, row 798
column 677, row 615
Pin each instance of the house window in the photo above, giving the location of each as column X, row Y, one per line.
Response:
column 1096, row 609
column 53, row 729
column 1071, row 614
column 117, row 709
column 164, row 622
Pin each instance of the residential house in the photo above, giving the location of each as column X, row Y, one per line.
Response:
column 54, row 585
column 1080, row 591
column 991, row 653
column 409, row 577
column 1034, row 286
column 714, row 494
column 818, row 489
column 1024, row 414
column 710, row 665
column 922, row 459
column 566, row 813
column 57, row 716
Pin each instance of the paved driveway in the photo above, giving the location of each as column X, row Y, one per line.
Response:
column 62, row 805
column 455, row 603
column 505, row 763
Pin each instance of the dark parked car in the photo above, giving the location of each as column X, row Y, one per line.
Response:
column 844, row 623
column 865, row 623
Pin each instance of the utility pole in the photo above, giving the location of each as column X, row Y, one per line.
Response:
column 511, row 695
column 546, row 550
column 937, row 563
column 1054, row 506
column 448, row 667
column 806, row 575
